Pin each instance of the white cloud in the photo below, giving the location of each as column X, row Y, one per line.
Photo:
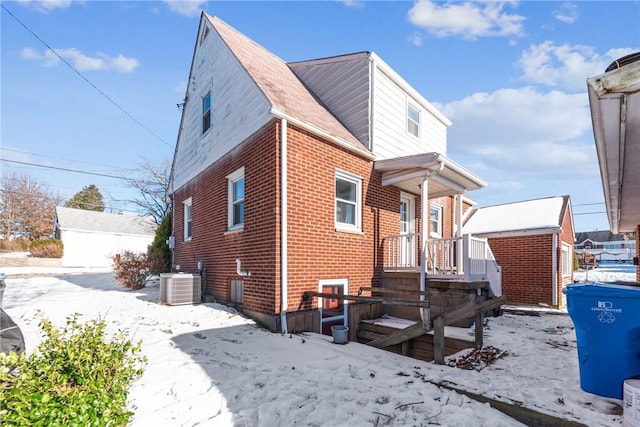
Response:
column 469, row 20
column 355, row 4
column 188, row 8
column 46, row 6
column 567, row 13
column 565, row 66
column 416, row 39
column 524, row 130
column 82, row 62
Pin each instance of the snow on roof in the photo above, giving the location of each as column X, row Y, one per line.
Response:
column 80, row 219
column 539, row 214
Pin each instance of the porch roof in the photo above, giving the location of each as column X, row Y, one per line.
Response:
column 446, row 177
column 614, row 98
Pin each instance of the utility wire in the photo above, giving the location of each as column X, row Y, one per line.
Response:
column 61, row 158
column 86, row 79
column 124, row 178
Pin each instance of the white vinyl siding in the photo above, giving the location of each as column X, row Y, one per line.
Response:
column 348, row 202
column 391, row 138
column 236, row 101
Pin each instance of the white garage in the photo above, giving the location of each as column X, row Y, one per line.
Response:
column 92, row 238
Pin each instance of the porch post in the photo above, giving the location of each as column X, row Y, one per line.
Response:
column 424, row 233
column 459, row 253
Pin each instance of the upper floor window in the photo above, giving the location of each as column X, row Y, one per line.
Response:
column 435, row 214
column 413, row 120
column 348, row 202
column 206, row 112
column 187, row 219
column 236, row 200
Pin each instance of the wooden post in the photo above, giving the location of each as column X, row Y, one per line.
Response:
column 438, row 340
column 479, row 331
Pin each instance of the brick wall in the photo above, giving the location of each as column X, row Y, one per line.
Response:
column 316, row 250
column 256, row 244
column 526, row 263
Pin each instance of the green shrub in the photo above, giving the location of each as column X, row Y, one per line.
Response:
column 160, row 246
column 46, row 248
column 77, row 377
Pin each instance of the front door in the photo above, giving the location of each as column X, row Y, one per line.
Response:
column 408, row 239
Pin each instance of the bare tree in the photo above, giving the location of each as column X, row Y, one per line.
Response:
column 153, row 186
column 27, row 208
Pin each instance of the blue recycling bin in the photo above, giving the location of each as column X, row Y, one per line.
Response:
column 607, row 324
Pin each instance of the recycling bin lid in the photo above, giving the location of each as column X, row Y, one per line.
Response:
column 614, row 289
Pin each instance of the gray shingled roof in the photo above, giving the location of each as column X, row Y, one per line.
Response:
column 279, row 84
column 598, row 236
column 84, row 220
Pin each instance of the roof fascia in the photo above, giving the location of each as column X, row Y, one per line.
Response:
column 520, row 233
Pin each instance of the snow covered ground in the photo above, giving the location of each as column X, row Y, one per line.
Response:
column 210, row 366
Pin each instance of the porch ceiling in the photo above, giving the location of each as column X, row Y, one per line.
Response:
column 446, row 177
column 614, row 98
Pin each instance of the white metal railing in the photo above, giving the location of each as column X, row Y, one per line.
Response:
column 467, row 257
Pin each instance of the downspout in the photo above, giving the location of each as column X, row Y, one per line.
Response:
column 284, row 285
column 554, row 270
column 372, row 84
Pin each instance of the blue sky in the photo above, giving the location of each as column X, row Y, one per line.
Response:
column 510, row 76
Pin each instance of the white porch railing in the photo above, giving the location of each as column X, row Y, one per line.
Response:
column 465, row 258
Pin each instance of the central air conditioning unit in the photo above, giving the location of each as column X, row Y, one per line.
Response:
column 180, row 288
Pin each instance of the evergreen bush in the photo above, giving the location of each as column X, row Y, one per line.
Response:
column 77, row 377
column 46, row 248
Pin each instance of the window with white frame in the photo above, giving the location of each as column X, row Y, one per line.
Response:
column 567, row 260
column 348, row 201
column 236, row 200
column 187, row 219
column 413, row 120
column 435, row 216
column 206, row 112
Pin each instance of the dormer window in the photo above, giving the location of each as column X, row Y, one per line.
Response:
column 413, row 120
column 206, row 112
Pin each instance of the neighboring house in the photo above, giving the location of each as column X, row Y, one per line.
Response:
column 614, row 98
column 606, row 246
column 92, row 238
column 319, row 176
column 533, row 243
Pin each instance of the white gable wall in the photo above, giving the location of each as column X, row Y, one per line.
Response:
column 238, row 109
column 391, row 138
column 96, row 249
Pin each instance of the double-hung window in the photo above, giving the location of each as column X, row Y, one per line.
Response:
column 187, row 219
column 435, row 214
column 567, row 260
column 236, row 199
column 348, row 202
column 206, row 112
column 413, row 120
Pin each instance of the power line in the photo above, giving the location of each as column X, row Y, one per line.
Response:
column 86, row 79
column 124, row 178
column 589, row 213
column 61, row 158
column 588, row 204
